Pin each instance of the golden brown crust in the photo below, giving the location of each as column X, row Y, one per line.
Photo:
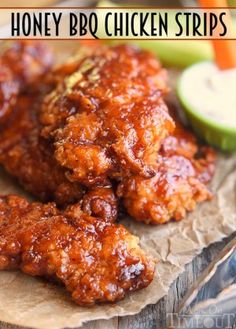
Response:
column 179, row 183
column 101, row 202
column 95, row 260
column 23, row 152
column 29, row 158
column 106, row 115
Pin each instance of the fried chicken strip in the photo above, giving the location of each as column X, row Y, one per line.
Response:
column 179, row 183
column 25, row 154
column 29, row 158
column 96, row 261
column 106, row 116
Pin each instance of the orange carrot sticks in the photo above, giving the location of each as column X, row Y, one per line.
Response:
column 225, row 50
column 90, row 43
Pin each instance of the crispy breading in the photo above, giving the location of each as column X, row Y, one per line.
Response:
column 100, row 202
column 29, row 158
column 23, row 152
column 96, row 261
column 106, row 115
column 179, row 183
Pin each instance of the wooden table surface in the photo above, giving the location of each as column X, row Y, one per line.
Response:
column 155, row 316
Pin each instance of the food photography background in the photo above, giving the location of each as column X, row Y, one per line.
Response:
column 175, row 244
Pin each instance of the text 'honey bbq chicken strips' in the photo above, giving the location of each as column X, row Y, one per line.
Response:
column 106, row 115
column 178, row 185
column 96, row 261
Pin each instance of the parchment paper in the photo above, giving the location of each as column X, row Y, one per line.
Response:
column 34, row 303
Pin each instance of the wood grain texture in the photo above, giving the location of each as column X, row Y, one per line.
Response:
column 155, row 316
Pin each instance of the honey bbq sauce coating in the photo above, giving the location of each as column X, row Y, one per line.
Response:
column 106, row 115
column 23, row 152
column 28, row 61
column 29, row 157
column 59, row 150
column 178, row 185
column 21, row 67
column 97, row 261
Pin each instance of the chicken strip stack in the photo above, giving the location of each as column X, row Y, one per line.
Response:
column 72, row 136
column 97, row 261
column 107, row 119
column 100, row 121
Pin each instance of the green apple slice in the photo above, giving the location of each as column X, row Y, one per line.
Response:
column 209, row 98
column 178, row 53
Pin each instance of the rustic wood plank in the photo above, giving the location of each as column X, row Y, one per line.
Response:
column 102, row 324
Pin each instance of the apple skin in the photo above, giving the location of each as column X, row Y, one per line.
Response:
column 213, row 131
column 177, row 53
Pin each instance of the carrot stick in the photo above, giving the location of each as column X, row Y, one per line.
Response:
column 90, row 43
column 225, row 50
